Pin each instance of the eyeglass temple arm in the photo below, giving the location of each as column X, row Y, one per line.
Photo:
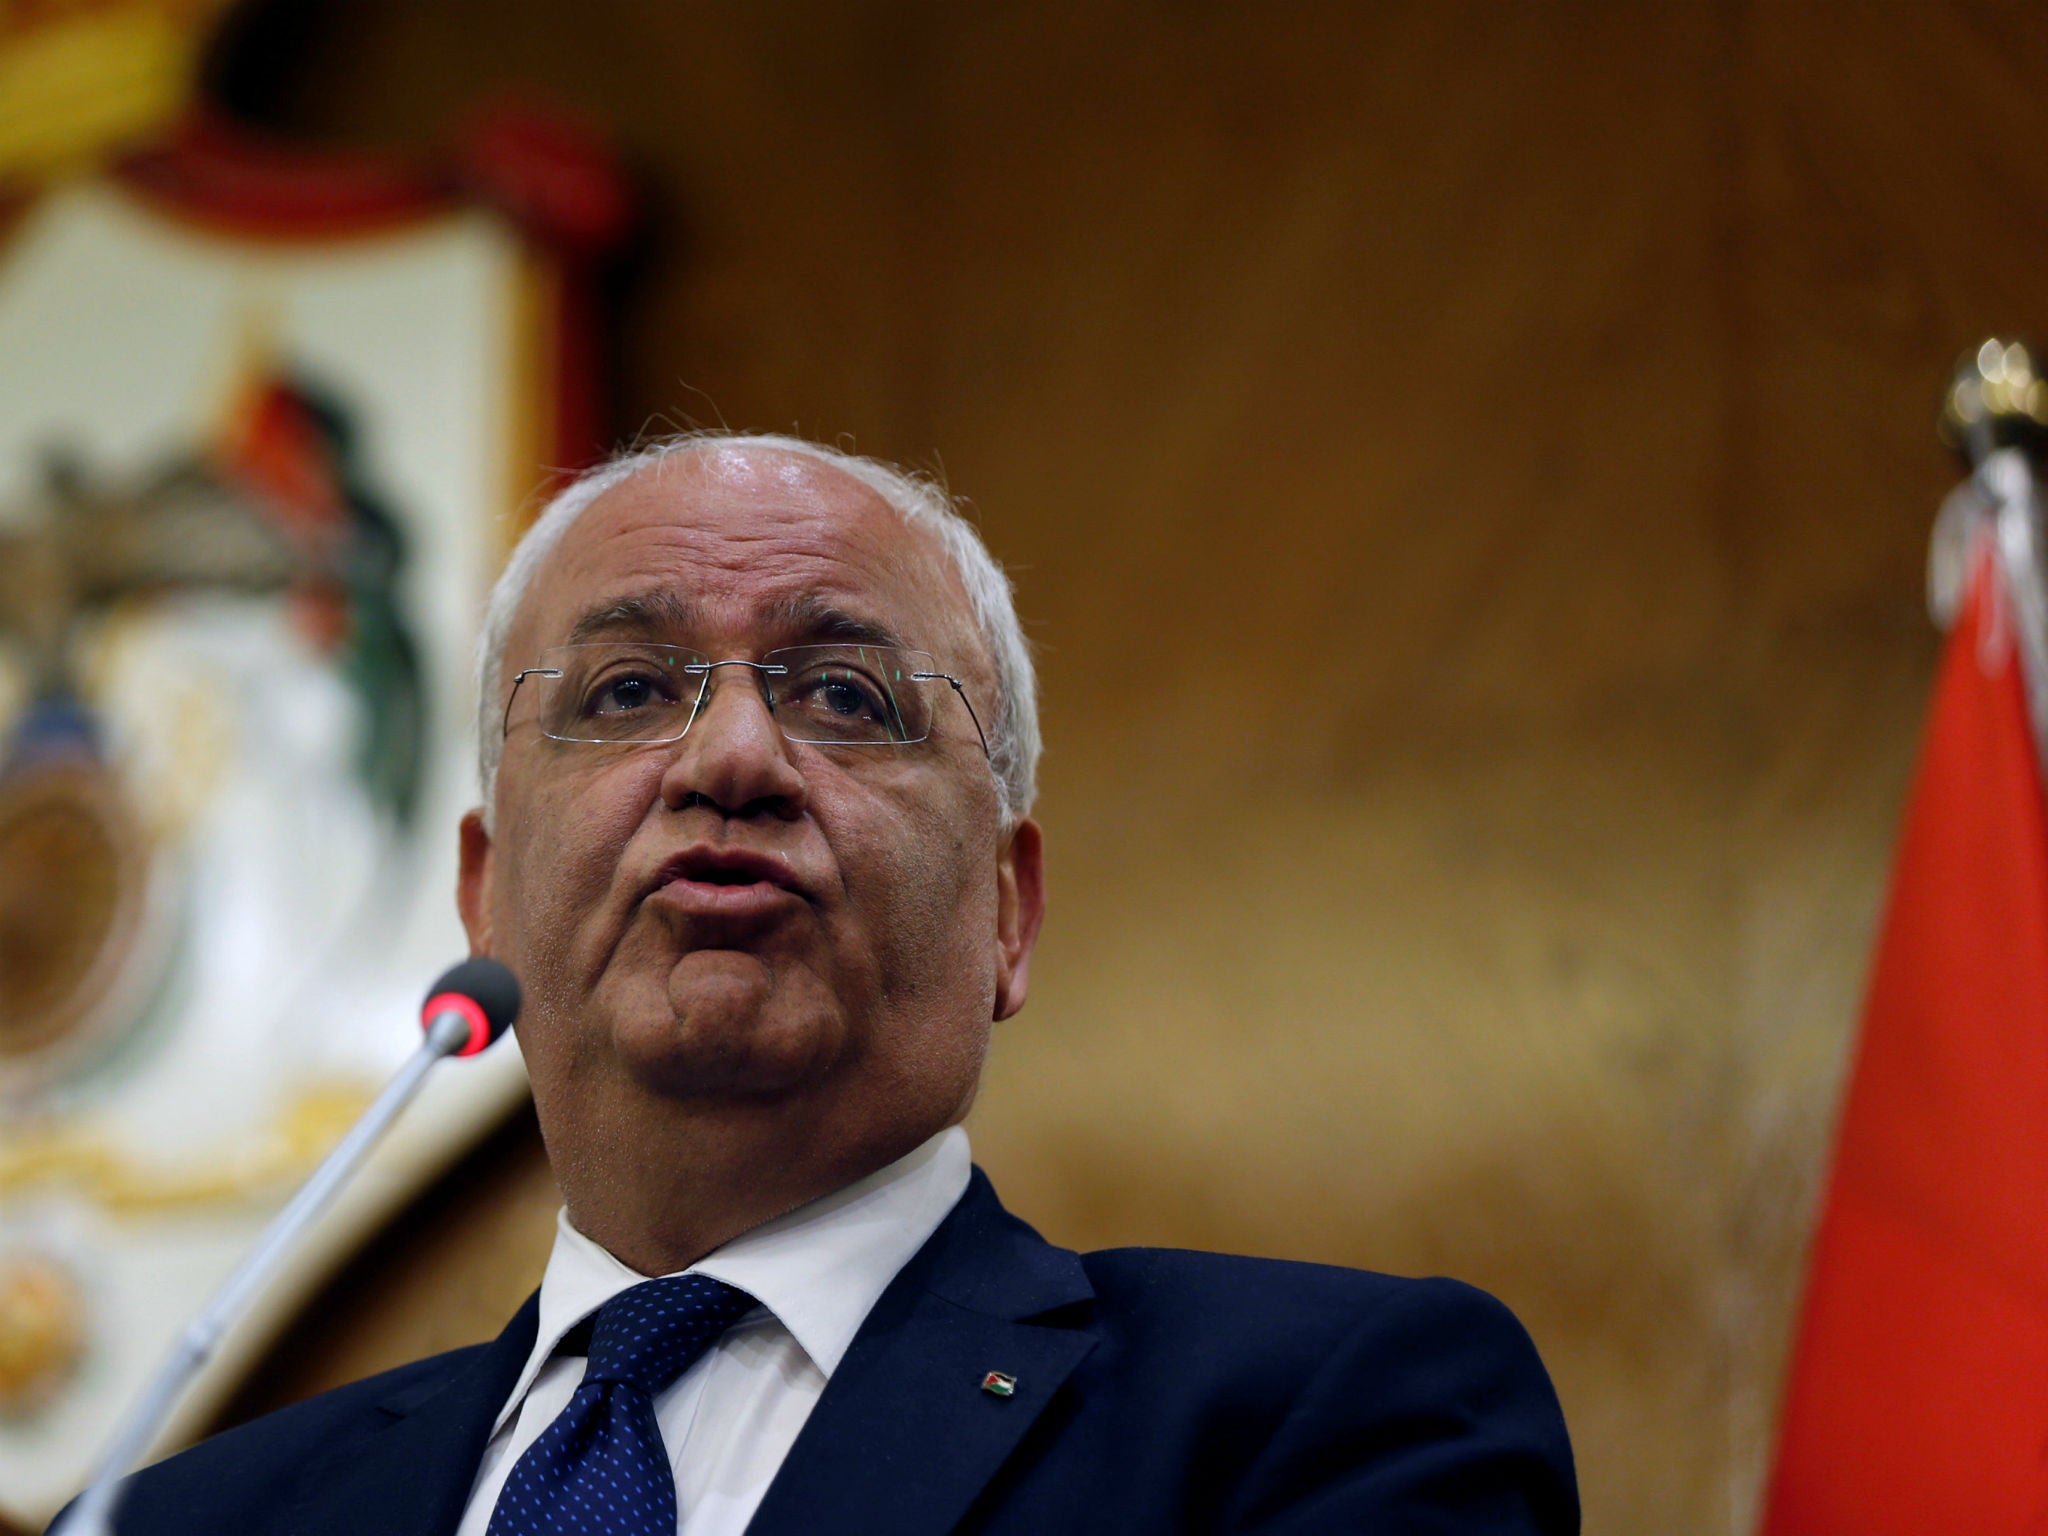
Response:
column 957, row 688
column 505, row 725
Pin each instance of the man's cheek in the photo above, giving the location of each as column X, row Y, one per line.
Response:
column 563, row 871
column 911, row 906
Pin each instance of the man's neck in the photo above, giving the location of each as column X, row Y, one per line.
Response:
column 661, row 1190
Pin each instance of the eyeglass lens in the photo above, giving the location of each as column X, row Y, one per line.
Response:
column 830, row 694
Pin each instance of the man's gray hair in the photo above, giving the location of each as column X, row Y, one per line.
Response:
column 920, row 499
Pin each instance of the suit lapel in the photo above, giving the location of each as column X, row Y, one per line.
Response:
column 410, row 1474
column 905, row 1436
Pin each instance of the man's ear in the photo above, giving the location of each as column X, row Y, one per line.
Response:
column 1020, row 909
column 473, row 882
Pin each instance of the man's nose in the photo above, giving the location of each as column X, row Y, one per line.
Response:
column 734, row 754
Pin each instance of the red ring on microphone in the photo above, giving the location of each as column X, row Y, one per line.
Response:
column 469, row 1008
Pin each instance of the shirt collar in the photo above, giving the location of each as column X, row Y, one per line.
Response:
column 819, row 1269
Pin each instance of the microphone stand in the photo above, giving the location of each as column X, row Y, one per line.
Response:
column 448, row 1033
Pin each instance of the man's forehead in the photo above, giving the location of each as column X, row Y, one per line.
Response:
column 748, row 490
column 766, row 539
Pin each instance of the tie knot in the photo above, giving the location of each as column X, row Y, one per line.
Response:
column 651, row 1334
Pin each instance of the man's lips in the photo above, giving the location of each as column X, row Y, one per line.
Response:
column 724, row 882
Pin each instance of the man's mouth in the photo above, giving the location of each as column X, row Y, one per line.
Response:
column 724, row 882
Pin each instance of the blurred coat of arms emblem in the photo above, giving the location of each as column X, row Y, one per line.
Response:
column 265, row 428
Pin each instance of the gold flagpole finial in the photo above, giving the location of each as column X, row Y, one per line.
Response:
column 1997, row 399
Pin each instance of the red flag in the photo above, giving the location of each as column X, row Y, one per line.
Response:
column 1918, row 1396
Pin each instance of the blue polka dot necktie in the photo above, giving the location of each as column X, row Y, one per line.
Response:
column 600, row 1468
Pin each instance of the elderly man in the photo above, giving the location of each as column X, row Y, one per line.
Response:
column 759, row 747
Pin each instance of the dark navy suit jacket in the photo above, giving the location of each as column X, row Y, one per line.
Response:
column 1156, row 1391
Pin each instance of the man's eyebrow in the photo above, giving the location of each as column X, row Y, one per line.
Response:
column 650, row 613
column 803, row 618
column 813, row 619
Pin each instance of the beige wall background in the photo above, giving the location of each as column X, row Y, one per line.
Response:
column 1467, row 467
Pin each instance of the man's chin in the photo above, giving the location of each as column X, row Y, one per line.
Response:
column 728, row 1030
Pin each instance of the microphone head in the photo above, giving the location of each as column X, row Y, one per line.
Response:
column 483, row 991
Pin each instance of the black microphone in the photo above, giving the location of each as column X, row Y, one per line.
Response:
column 470, row 1006
column 482, row 992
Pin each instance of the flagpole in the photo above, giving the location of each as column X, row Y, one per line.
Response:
column 1996, row 416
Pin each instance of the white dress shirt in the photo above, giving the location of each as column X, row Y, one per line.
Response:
column 730, row 1419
